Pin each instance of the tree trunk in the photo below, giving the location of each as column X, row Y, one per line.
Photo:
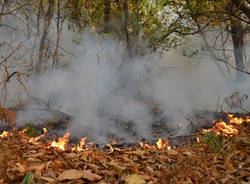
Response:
column 33, row 55
column 126, row 32
column 106, row 16
column 58, row 31
column 237, row 33
column 4, row 9
column 48, row 18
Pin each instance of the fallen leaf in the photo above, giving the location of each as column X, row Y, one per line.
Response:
column 37, row 167
column 172, row 152
column 116, row 165
column 150, row 170
column 70, row 174
column 137, row 152
column 187, row 153
column 47, row 179
column 134, row 179
column 21, row 168
column 71, row 155
column 73, row 174
column 87, row 174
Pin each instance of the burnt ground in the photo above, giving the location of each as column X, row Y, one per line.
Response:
column 161, row 127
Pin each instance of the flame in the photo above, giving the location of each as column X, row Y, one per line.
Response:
column 220, row 127
column 62, row 142
column 34, row 140
column 4, row 134
column 229, row 128
column 223, row 128
column 236, row 120
column 79, row 147
column 160, row 145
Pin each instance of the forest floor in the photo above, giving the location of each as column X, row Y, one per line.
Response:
column 219, row 155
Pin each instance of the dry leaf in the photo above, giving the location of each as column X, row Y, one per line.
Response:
column 116, row 165
column 47, row 179
column 21, row 168
column 134, row 179
column 87, row 174
column 71, row 174
column 37, row 167
column 137, row 152
column 172, row 152
column 187, row 153
column 150, row 170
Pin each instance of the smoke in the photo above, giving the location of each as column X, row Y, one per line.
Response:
column 104, row 90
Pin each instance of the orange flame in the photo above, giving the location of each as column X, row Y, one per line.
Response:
column 223, row 128
column 80, row 146
column 229, row 128
column 163, row 144
column 33, row 140
column 160, row 144
column 62, row 142
column 4, row 134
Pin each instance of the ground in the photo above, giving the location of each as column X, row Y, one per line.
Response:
column 219, row 155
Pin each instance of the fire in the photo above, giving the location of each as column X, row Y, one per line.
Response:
column 160, row 144
column 223, row 128
column 34, row 140
column 80, row 146
column 4, row 134
column 229, row 128
column 235, row 120
column 62, row 142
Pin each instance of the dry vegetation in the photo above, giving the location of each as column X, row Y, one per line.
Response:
column 220, row 155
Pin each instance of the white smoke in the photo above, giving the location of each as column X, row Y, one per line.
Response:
column 102, row 87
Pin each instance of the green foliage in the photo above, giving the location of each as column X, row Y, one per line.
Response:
column 213, row 142
column 31, row 131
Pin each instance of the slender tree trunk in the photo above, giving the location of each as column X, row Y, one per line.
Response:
column 33, row 56
column 126, row 32
column 58, row 31
column 4, row 9
column 237, row 33
column 106, row 16
column 213, row 57
column 48, row 18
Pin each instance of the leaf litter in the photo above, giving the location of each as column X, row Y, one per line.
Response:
column 22, row 161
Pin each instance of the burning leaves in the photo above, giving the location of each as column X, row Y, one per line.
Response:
column 230, row 128
column 4, row 134
column 23, row 158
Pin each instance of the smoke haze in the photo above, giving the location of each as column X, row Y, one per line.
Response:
column 103, row 88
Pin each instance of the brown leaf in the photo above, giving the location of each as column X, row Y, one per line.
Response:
column 37, row 167
column 134, row 179
column 87, row 174
column 116, row 165
column 172, row 152
column 50, row 180
column 188, row 153
column 21, row 168
column 137, row 152
column 73, row 174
